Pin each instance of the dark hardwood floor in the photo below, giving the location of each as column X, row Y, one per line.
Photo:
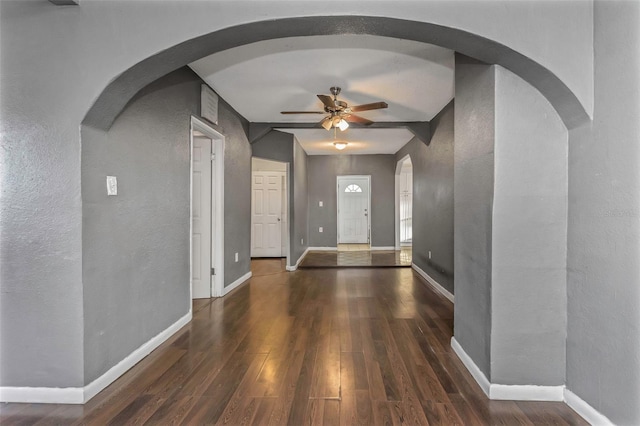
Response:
column 317, row 346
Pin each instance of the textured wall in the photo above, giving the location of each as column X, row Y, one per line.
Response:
column 603, row 343
column 282, row 146
column 323, row 172
column 45, row 97
column 433, row 198
column 237, row 192
column 300, row 228
column 529, row 239
column 473, row 202
column 136, row 244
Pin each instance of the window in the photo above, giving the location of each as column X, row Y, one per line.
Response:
column 353, row 188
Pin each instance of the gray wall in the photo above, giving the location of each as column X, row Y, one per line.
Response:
column 433, row 198
column 237, row 192
column 282, row 146
column 136, row 244
column 473, row 213
column 323, row 172
column 529, row 239
column 300, row 228
column 45, row 98
column 135, row 266
column 603, row 343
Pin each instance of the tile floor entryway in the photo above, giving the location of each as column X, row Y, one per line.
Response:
column 353, row 247
column 352, row 258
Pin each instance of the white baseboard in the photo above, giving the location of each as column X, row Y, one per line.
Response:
column 526, row 392
column 581, row 407
column 42, row 395
column 294, row 267
column 382, row 248
column 80, row 395
column 530, row 392
column 477, row 374
column 323, row 248
column 446, row 293
column 236, row 283
column 507, row 392
column 93, row 388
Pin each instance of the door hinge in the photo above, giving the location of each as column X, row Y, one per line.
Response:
column 213, row 157
column 213, row 271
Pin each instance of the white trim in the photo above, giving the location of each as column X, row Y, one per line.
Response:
column 236, row 283
column 581, row 407
column 496, row 391
column 526, row 392
column 217, row 148
column 294, row 267
column 446, row 293
column 280, row 174
column 42, row 395
column 478, row 375
column 322, row 249
column 93, row 388
column 397, row 198
column 382, row 248
column 80, row 395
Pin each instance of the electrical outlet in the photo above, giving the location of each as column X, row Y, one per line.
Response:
column 320, row 203
column 320, row 229
column 429, row 254
column 236, row 257
column 301, row 241
column 112, row 185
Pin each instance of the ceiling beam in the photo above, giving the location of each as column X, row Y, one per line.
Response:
column 65, row 2
column 420, row 129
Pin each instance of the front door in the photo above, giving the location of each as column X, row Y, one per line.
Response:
column 353, row 209
column 266, row 215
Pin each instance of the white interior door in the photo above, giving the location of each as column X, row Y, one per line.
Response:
column 266, row 215
column 201, row 219
column 353, row 209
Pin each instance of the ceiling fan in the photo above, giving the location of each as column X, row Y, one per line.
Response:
column 340, row 114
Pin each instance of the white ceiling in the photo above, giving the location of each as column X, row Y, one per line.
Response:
column 261, row 79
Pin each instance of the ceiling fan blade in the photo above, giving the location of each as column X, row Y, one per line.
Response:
column 302, row 112
column 367, row 107
column 326, row 123
column 357, row 119
column 327, row 101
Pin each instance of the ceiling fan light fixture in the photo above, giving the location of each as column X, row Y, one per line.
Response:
column 340, row 145
column 343, row 125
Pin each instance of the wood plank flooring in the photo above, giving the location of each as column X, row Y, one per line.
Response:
column 317, row 346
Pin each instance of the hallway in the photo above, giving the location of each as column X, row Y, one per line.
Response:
column 319, row 346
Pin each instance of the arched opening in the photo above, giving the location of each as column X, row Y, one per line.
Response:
column 404, row 203
column 118, row 93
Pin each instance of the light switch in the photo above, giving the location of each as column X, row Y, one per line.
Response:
column 319, row 203
column 320, row 229
column 112, row 185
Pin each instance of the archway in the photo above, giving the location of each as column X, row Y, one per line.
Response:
column 118, row 93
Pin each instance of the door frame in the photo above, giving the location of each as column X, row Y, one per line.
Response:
column 399, row 164
column 345, row 177
column 217, row 197
column 282, row 175
column 286, row 199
